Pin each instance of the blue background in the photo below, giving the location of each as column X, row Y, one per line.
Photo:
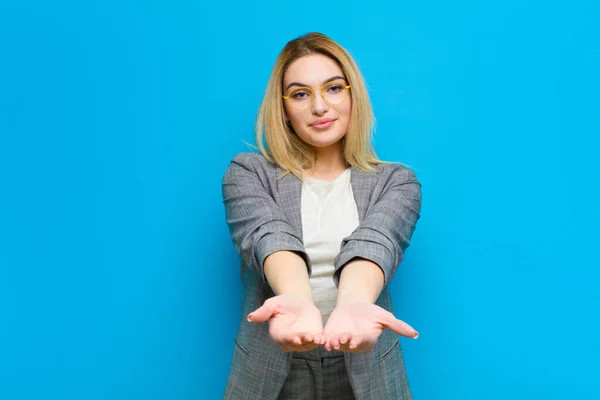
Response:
column 118, row 279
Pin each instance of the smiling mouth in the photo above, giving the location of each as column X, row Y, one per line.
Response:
column 322, row 124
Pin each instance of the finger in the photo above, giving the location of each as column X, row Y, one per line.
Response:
column 325, row 336
column 327, row 343
column 319, row 339
column 261, row 314
column 335, row 342
column 400, row 327
column 297, row 340
column 307, row 337
column 354, row 342
column 357, row 342
column 344, row 338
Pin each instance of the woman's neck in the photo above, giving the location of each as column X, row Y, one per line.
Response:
column 329, row 162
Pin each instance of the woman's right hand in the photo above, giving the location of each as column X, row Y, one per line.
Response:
column 295, row 323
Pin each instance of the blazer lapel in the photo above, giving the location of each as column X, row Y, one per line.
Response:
column 290, row 192
column 362, row 187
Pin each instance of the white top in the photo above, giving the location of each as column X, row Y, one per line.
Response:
column 329, row 214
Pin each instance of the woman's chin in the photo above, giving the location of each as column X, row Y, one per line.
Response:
column 323, row 141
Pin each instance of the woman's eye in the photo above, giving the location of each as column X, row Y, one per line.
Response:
column 300, row 95
column 335, row 88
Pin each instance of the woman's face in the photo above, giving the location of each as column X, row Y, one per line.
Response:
column 322, row 124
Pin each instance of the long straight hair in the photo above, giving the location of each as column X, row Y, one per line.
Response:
column 283, row 146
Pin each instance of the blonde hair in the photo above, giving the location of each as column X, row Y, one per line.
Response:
column 283, row 146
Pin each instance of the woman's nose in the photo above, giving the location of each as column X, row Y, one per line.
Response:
column 319, row 105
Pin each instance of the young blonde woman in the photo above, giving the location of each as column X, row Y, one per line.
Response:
column 320, row 224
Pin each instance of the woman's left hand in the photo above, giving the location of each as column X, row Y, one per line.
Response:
column 356, row 327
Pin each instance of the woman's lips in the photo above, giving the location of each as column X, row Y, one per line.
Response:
column 322, row 125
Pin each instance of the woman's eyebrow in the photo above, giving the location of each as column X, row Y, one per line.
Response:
column 333, row 78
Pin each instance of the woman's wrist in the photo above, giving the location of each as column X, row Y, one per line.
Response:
column 361, row 281
column 286, row 273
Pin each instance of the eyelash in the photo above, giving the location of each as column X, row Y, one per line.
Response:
column 336, row 86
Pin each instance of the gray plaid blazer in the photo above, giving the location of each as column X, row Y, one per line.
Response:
column 263, row 214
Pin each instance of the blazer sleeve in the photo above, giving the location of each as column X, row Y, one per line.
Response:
column 385, row 231
column 257, row 225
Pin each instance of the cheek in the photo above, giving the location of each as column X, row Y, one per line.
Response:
column 296, row 120
column 345, row 113
column 347, row 108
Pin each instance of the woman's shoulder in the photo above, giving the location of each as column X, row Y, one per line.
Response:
column 396, row 171
column 252, row 160
column 247, row 166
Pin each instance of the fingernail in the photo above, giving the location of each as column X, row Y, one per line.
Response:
column 249, row 317
column 416, row 335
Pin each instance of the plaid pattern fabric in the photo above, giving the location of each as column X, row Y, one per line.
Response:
column 317, row 378
column 263, row 214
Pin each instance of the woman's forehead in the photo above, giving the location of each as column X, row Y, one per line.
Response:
column 312, row 70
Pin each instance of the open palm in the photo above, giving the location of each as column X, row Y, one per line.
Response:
column 356, row 327
column 295, row 323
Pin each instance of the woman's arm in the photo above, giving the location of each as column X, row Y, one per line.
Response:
column 286, row 273
column 357, row 322
column 294, row 321
column 257, row 224
column 269, row 246
column 384, row 233
column 367, row 262
column 360, row 281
